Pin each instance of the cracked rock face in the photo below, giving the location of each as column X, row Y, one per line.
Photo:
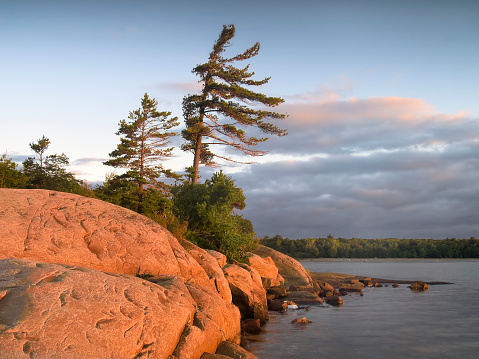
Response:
column 47, row 309
column 247, row 291
column 265, row 266
column 290, row 269
column 55, row 227
column 68, row 287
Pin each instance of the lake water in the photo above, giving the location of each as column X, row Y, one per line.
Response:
column 386, row 322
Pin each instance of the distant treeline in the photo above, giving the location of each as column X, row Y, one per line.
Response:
column 374, row 248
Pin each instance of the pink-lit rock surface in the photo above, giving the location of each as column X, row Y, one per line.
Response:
column 68, row 284
column 52, row 310
column 247, row 290
column 55, row 227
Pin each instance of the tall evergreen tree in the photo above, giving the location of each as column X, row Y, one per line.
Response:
column 143, row 144
column 226, row 106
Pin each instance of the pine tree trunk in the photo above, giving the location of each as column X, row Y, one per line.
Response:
column 196, row 161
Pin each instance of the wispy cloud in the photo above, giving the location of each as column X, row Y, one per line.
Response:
column 88, row 161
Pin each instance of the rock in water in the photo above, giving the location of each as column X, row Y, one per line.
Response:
column 301, row 321
column 419, row 286
column 334, row 300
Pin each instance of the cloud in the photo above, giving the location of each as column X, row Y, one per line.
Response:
column 17, row 157
column 88, row 161
column 371, row 168
column 184, row 87
column 353, row 125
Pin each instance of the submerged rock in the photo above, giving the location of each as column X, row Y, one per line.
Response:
column 419, row 286
column 334, row 300
column 300, row 321
column 352, row 286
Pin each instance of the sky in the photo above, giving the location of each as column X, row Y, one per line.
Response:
column 381, row 98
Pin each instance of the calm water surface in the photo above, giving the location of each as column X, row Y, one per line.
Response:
column 386, row 322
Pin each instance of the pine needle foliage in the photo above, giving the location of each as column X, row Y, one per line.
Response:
column 226, row 107
column 143, row 145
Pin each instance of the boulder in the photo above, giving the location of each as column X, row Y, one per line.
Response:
column 303, row 297
column 301, row 321
column 352, row 286
column 220, row 257
column 209, row 263
column 247, row 291
column 251, row 326
column 277, row 292
column 326, row 289
column 48, row 309
column 265, row 266
column 55, row 227
column 277, row 305
column 334, row 300
column 214, row 321
column 268, row 283
column 234, row 351
column 290, row 269
column 367, row 282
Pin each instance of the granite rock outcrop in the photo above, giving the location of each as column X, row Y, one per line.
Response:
column 85, row 278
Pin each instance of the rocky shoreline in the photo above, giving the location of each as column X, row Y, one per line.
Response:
column 83, row 278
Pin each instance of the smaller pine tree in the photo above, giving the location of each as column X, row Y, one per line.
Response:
column 143, row 146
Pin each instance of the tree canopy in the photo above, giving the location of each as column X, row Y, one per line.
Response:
column 50, row 172
column 226, row 107
column 210, row 211
column 10, row 176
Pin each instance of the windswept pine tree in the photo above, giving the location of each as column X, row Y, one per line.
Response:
column 226, row 106
column 143, row 146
